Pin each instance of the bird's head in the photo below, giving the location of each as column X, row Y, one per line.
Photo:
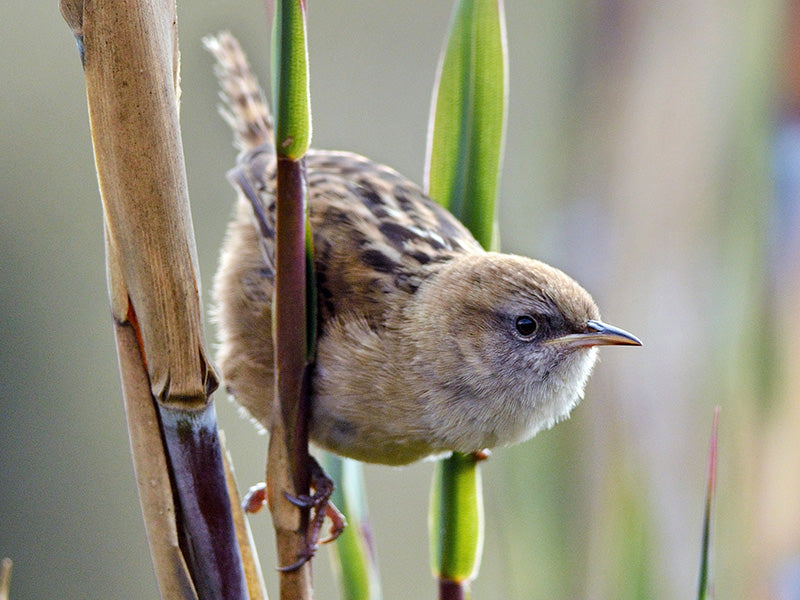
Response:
column 506, row 344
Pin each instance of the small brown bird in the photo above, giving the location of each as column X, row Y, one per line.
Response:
column 427, row 344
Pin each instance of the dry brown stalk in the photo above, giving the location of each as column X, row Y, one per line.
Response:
column 130, row 55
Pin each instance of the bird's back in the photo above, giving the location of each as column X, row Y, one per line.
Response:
column 375, row 232
column 376, row 237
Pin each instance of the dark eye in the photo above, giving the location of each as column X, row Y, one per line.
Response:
column 526, row 325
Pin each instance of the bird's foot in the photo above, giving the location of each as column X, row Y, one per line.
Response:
column 255, row 499
column 318, row 502
column 481, row 455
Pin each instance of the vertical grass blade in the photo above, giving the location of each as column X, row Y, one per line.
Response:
column 706, row 587
column 358, row 569
column 456, row 520
column 355, row 563
column 465, row 135
column 294, row 283
column 290, row 79
column 464, row 154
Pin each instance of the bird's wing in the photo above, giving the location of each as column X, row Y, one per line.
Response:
column 375, row 232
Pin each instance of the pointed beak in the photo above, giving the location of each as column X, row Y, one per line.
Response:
column 597, row 334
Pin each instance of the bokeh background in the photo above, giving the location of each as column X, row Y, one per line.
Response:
column 653, row 152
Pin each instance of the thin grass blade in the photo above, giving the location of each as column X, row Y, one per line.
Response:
column 290, row 83
column 706, row 586
column 355, row 563
column 456, row 519
column 465, row 135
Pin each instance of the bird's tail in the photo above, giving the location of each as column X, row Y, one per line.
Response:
column 245, row 108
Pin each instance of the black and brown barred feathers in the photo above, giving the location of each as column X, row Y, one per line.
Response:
column 245, row 108
column 376, row 237
column 375, row 232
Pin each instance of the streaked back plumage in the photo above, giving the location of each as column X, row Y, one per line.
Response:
column 374, row 230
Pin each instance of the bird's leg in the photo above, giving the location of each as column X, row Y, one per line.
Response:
column 322, row 507
column 319, row 501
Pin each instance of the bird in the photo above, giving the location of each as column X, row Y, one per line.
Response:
column 427, row 344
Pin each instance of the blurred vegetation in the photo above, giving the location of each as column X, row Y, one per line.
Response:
column 653, row 153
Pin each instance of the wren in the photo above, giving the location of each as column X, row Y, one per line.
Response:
column 427, row 343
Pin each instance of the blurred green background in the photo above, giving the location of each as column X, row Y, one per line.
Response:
column 652, row 153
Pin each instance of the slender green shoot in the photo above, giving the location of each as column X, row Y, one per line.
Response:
column 468, row 114
column 456, row 519
column 353, row 552
column 706, row 585
column 290, row 86
column 354, row 558
column 288, row 473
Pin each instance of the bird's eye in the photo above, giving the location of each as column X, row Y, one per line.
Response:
column 526, row 326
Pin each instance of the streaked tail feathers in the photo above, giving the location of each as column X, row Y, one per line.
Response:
column 245, row 108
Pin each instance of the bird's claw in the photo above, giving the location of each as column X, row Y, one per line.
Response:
column 305, row 556
column 255, row 499
column 481, row 455
column 319, row 502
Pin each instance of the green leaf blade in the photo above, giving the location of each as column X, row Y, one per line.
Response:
column 290, row 84
column 354, row 558
column 706, row 587
column 456, row 518
column 465, row 139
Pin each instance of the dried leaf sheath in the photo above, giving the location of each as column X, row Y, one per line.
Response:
column 129, row 52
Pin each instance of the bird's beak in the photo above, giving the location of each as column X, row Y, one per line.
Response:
column 597, row 334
